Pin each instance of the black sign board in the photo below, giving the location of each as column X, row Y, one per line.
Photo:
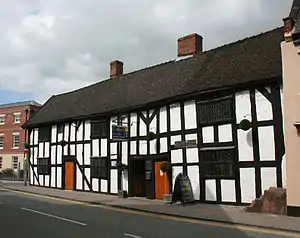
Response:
column 119, row 132
column 183, row 189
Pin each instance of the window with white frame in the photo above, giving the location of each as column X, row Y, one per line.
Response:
column 16, row 141
column 2, row 119
column 15, row 161
column 17, row 117
column 1, row 142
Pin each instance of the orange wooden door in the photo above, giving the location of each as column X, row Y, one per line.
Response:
column 161, row 182
column 69, row 175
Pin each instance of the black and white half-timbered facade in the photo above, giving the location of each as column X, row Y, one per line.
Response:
column 187, row 112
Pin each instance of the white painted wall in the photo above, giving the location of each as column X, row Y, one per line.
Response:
column 190, row 115
column 95, row 184
column 163, row 120
column 133, row 147
column 247, row 177
column 263, row 107
column 87, row 173
column 103, row 143
column 163, row 144
column 192, row 153
column 66, row 135
column 210, row 190
column 176, row 156
column 193, row 173
column 103, row 186
column 113, row 181
column 245, row 145
column 53, row 133
column 79, row 155
column 243, row 106
column 208, row 134
column 268, row 178
column 87, row 154
column 87, row 130
column 124, row 155
column 175, row 171
column 143, row 147
column 225, row 133
column 47, row 180
column 95, row 147
column 58, row 177
column 266, row 143
column 79, row 132
column 78, row 178
column 73, row 132
column 133, row 124
column 143, row 128
column 228, row 191
column 53, row 154
column 53, row 177
column 175, row 115
column 153, row 146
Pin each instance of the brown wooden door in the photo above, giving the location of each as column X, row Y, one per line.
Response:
column 161, row 182
column 69, row 175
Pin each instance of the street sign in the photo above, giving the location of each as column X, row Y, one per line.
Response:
column 120, row 132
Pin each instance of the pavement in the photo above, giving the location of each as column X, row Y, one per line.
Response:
column 222, row 215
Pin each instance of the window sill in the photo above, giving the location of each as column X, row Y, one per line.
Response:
column 2, row 124
column 15, row 148
column 17, row 122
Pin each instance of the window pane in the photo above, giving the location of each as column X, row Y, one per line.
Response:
column 99, row 129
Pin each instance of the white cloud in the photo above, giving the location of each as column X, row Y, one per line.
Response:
column 52, row 46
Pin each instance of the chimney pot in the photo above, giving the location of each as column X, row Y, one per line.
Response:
column 288, row 24
column 189, row 45
column 116, row 68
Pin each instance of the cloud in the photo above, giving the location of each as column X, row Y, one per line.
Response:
column 51, row 46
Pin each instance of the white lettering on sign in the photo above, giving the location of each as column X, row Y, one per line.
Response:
column 161, row 173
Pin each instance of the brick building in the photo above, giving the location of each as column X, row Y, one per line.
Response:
column 12, row 136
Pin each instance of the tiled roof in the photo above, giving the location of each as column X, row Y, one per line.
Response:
column 253, row 59
column 19, row 104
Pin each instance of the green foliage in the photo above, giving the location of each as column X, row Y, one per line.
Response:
column 9, row 172
column 165, row 166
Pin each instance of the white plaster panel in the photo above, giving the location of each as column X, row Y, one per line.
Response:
column 47, row 180
column 210, row 190
column 163, row 120
column 95, row 146
column 190, row 115
column 124, row 152
column 228, row 190
column 143, row 128
column 268, row 178
column 53, row 177
column 47, row 149
column 176, row 156
column 87, row 173
column 175, row 171
column 87, row 154
column 87, row 130
column 144, row 113
column 153, row 123
column 78, row 178
column 35, row 182
column 65, row 150
column 112, row 122
column 245, row 145
column 31, row 179
column 35, row 156
column 95, row 184
column 113, row 148
column 225, row 133
column 283, row 169
column 208, row 134
column 79, row 153
column 153, row 146
column 133, row 125
column 36, row 136
column 41, row 179
column 193, row 173
column 191, row 137
column 103, row 186
column 31, row 138
column 80, row 132
column 243, row 106
column 53, row 154
column 263, row 107
column 72, row 149
column 53, row 134
column 266, row 143
column 163, row 144
column 59, row 154
column 113, row 181
column 174, row 139
column 73, row 132
column 175, row 117
column 143, row 147
column 59, row 137
column 247, row 176
column 133, row 147
column 58, row 178
column 192, row 155
column 67, row 131
column 125, row 181
column 103, row 147
column 41, row 148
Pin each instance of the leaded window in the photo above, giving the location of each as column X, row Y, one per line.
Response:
column 99, row 129
column 43, row 166
column 218, row 162
column 216, row 111
column 99, row 167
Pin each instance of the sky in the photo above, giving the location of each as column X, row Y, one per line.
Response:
column 50, row 47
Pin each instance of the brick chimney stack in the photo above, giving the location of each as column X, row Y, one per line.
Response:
column 116, row 68
column 189, row 45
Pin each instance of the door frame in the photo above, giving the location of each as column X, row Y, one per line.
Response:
column 68, row 158
column 153, row 158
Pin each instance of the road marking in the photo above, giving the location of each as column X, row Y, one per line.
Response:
column 169, row 217
column 49, row 215
column 134, row 236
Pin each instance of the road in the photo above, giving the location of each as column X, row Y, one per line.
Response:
column 24, row 215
